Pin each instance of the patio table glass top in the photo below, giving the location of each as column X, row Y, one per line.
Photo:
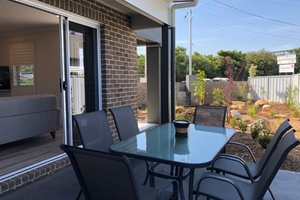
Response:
column 160, row 144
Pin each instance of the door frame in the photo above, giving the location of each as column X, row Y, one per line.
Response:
column 65, row 76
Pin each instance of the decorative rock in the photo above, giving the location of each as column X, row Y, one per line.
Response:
column 261, row 102
column 266, row 108
column 236, row 114
column 237, row 104
column 271, row 124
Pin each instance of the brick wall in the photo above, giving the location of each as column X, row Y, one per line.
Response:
column 118, row 52
column 142, row 93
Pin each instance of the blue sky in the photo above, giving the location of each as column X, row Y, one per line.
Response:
column 242, row 25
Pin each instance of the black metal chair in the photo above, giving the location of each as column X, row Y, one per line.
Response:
column 127, row 127
column 94, row 132
column 234, row 165
column 103, row 175
column 210, row 115
column 218, row 186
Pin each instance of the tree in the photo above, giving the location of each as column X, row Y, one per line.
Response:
column 236, row 60
column 252, row 70
column 181, row 62
column 265, row 61
column 204, row 63
column 199, row 85
column 297, row 64
column 141, row 64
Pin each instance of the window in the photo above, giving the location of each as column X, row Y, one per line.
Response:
column 22, row 62
column 23, row 75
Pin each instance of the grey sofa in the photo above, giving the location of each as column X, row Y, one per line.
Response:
column 27, row 116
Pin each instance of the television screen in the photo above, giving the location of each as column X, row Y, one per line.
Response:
column 5, row 78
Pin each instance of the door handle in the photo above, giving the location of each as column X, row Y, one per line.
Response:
column 64, row 85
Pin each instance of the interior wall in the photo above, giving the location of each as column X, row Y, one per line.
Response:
column 47, row 59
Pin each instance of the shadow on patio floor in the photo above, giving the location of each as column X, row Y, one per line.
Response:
column 63, row 185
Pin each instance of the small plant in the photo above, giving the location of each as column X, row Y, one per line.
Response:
column 233, row 122
column 218, row 95
column 189, row 117
column 178, row 116
column 265, row 139
column 273, row 112
column 241, row 93
column 250, row 94
column 291, row 96
column 243, row 126
column 263, row 92
column 279, row 120
column 255, row 131
column 296, row 112
column 251, row 111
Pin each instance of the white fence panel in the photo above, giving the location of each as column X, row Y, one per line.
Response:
column 274, row 88
column 77, row 94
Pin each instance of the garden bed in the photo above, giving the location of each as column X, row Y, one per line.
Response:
column 292, row 163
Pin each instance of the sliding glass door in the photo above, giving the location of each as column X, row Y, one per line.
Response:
column 80, row 72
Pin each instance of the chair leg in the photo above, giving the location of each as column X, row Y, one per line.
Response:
column 152, row 180
column 147, row 173
column 271, row 193
column 180, row 182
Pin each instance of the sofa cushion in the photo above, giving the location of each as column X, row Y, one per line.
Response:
column 20, row 105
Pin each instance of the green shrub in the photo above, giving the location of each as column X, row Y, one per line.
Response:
column 219, row 95
column 255, row 130
column 291, row 96
column 296, row 112
column 233, row 122
column 265, row 139
column 243, row 126
column 251, row 111
column 273, row 112
column 189, row 117
column 178, row 116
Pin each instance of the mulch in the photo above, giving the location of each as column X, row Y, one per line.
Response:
column 292, row 162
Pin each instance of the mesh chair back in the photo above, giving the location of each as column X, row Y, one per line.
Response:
column 125, row 121
column 287, row 143
column 102, row 175
column 210, row 115
column 282, row 129
column 94, row 130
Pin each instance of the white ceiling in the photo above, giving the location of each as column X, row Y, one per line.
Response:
column 16, row 18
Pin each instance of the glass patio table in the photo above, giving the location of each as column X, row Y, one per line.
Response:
column 160, row 145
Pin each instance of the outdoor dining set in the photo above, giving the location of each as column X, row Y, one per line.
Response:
column 107, row 170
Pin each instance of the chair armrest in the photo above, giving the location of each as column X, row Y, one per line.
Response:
column 245, row 146
column 232, row 158
column 164, row 188
column 218, row 178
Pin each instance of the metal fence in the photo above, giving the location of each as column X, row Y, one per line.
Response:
column 77, row 94
column 274, row 88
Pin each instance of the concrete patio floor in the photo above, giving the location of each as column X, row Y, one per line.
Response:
column 63, row 185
